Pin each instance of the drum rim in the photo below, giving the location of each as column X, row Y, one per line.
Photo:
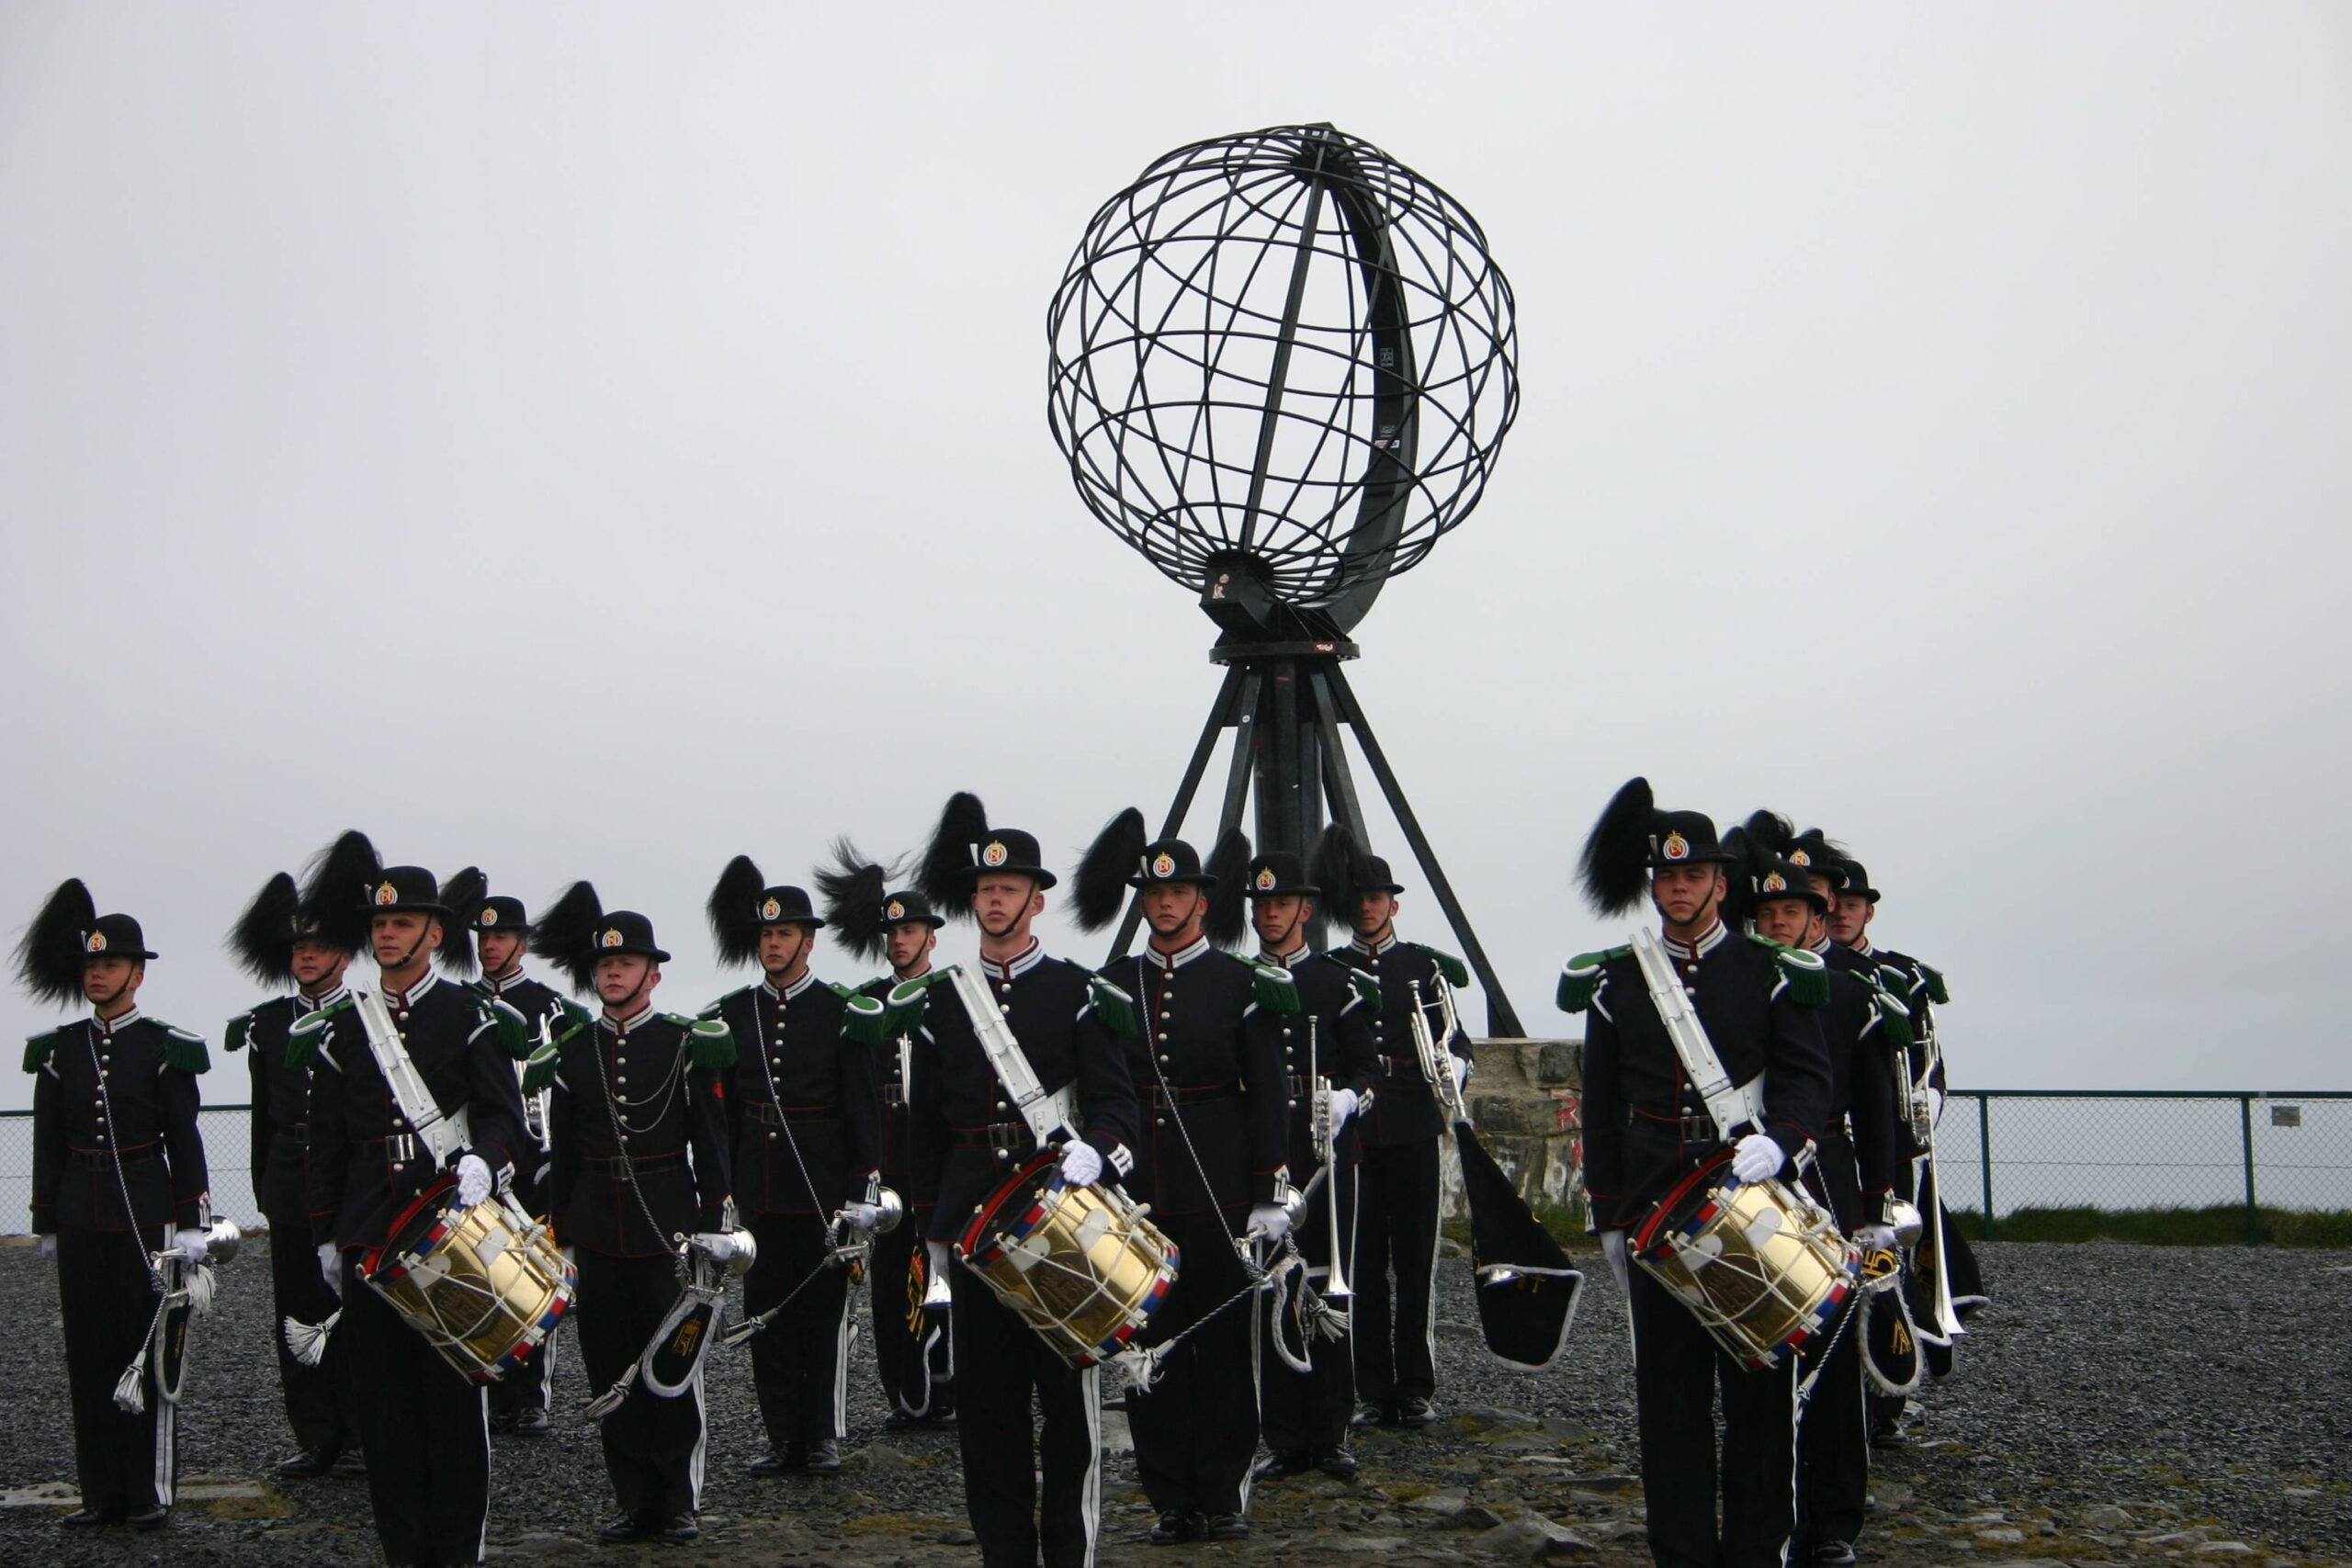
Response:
column 1661, row 1221
column 371, row 1261
column 979, row 1255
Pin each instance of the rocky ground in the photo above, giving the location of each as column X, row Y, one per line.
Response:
column 2117, row 1404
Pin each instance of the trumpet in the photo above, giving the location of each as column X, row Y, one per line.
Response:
column 1436, row 1058
column 1326, row 1155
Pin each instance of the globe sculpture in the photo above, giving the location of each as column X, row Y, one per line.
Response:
column 1281, row 368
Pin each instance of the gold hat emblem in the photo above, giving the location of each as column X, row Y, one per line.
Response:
column 996, row 855
column 1265, row 878
column 1676, row 847
column 1799, row 857
column 98, row 942
column 894, row 911
column 1163, row 865
column 612, row 937
column 770, row 909
column 387, row 894
column 1775, row 882
column 489, row 916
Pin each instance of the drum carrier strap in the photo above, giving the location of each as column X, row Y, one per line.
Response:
column 1732, row 1105
column 447, row 1135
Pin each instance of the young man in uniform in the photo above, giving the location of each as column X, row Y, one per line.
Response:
column 118, row 1168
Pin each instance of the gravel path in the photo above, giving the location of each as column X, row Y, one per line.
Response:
column 2119, row 1404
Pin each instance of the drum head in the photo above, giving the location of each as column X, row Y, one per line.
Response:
column 1687, row 1205
column 1012, row 1213
column 417, row 1230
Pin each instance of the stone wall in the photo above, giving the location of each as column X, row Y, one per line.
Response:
column 1524, row 1102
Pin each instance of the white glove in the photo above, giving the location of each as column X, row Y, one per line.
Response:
column 935, row 1253
column 1082, row 1164
column 1270, row 1221
column 330, row 1266
column 1757, row 1158
column 1935, row 1105
column 1612, row 1252
column 473, row 1181
column 1875, row 1238
column 49, row 1247
column 862, row 1216
column 717, row 1245
column 1461, row 1072
column 192, row 1245
column 1343, row 1105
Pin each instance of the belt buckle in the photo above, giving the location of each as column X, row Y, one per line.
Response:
column 402, row 1146
column 1698, row 1127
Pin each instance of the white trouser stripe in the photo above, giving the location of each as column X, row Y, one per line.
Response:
column 843, row 1332
column 481, row 1531
column 701, row 1446
column 1090, row 1505
column 1437, row 1231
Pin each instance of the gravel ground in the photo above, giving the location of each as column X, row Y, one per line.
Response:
column 2118, row 1404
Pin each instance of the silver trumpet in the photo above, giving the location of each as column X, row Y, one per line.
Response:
column 854, row 1253
column 1334, row 1283
column 1436, row 1049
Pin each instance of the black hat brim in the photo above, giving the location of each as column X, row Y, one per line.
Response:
column 1140, row 881
column 1302, row 891
column 814, row 923
column 142, row 955
column 1036, row 874
column 440, row 911
column 627, row 950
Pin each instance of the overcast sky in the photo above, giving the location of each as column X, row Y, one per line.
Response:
column 599, row 440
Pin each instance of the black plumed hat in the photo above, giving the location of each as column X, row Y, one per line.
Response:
column 1099, row 885
column 566, row 935
column 854, row 889
column 51, row 955
column 339, row 877
column 1633, row 839
column 263, row 938
column 1228, row 919
column 464, row 893
column 1278, row 874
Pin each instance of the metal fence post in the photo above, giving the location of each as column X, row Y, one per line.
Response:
column 2245, row 1138
column 1985, row 1155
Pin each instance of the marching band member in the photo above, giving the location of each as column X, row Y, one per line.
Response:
column 1645, row 1128
column 964, row 1140
column 807, row 1147
column 1305, row 1417
column 118, row 1167
column 279, row 946
column 1208, row 1059
column 638, row 1127
column 423, row 1425
column 1398, row 1201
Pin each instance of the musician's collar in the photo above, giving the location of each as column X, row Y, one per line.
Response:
column 119, row 1022
column 1863, row 949
column 1178, row 958
column 916, row 975
column 1373, row 948
column 1822, row 947
column 633, row 1022
column 408, row 997
column 807, row 978
column 1714, row 936
column 1291, row 960
column 501, row 984
column 1028, row 959
column 326, row 998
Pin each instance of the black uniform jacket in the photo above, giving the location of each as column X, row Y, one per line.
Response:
column 890, row 1087
column 149, row 1073
column 803, row 1119
column 1634, row 1088
column 281, row 1104
column 1208, row 1069
column 1920, row 989
column 365, row 1161
column 1406, row 1110
column 964, row 1137
column 1861, row 1076
column 635, row 1088
column 1340, row 1004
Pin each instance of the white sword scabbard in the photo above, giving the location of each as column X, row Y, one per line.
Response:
column 446, row 1136
column 1047, row 1114
column 1731, row 1105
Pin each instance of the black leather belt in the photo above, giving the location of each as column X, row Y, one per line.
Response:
column 1692, row 1126
column 1010, row 1136
column 767, row 1115
column 615, row 1167
column 1161, row 1099
column 298, row 1131
column 103, row 1159
column 1409, row 1066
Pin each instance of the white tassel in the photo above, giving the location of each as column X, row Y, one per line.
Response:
column 308, row 1341
column 131, row 1389
column 199, row 1290
column 605, row 1404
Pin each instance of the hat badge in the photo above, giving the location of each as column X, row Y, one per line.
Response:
column 1265, row 878
column 1163, row 865
column 1775, row 882
column 1799, row 857
column 1676, row 847
column 894, row 910
column 995, row 854
column 612, row 937
column 488, row 917
column 98, row 942
column 770, row 909
column 387, row 894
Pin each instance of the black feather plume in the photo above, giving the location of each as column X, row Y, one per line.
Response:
column 1228, row 920
column 947, row 875
column 334, row 891
column 853, row 888
column 1770, row 832
column 263, row 938
column 734, row 919
column 566, row 935
column 1338, row 870
column 1614, row 866
column 1099, row 885
column 49, row 959
column 464, row 893
column 1749, row 852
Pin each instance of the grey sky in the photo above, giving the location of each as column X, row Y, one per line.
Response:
column 597, row 440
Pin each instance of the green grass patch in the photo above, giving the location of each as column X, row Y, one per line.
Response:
column 2223, row 1225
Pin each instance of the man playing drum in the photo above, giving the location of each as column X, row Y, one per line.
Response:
column 964, row 1141
column 1647, row 1128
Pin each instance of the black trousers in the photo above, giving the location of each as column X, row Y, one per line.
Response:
column 915, row 1381
column 1002, row 1366
column 1196, row 1430
column 800, row 1359
column 319, row 1404
column 1305, row 1415
column 527, row 1387
column 126, row 1462
column 653, row 1447
column 1832, row 1438
column 1397, row 1217
column 425, row 1429
column 1677, row 1372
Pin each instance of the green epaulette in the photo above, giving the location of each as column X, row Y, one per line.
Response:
column 512, row 1031
column 1456, row 973
column 877, row 987
column 309, row 1032
column 36, row 1049
column 874, row 1017
column 1275, row 987
column 1581, row 980
column 712, row 1010
column 838, row 989
column 1806, row 974
column 539, row 1069
column 184, row 1050
column 1894, row 1017
column 866, row 1019
column 1936, row 991
column 1113, row 1007
column 1366, row 988
column 712, row 1043
column 240, row 1030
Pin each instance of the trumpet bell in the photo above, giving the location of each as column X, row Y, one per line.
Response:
column 894, row 1210
column 1906, row 1221
column 222, row 1240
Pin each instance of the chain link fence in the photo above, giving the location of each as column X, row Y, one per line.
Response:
column 228, row 1134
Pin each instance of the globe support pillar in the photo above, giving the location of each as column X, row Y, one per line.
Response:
column 1288, row 705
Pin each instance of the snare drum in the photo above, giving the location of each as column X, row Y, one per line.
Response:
column 485, row 1286
column 1082, row 1265
column 1761, row 1266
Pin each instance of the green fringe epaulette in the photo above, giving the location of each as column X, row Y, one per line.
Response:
column 512, row 1031
column 1894, row 1019
column 1806, row 973
column 712, row 1010
column 867, row 1020
column 874, row 1019
column 1113, row 1007
column 1936, row 991
column 539, row 1068
column 240, row 1030
column 36, row 1049
column 1366, row 988
column 309, row 1031
column 184, row 1051
column 712, row 1043
column 1276, row 987
column 1581, row 980
column 1456, row 973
